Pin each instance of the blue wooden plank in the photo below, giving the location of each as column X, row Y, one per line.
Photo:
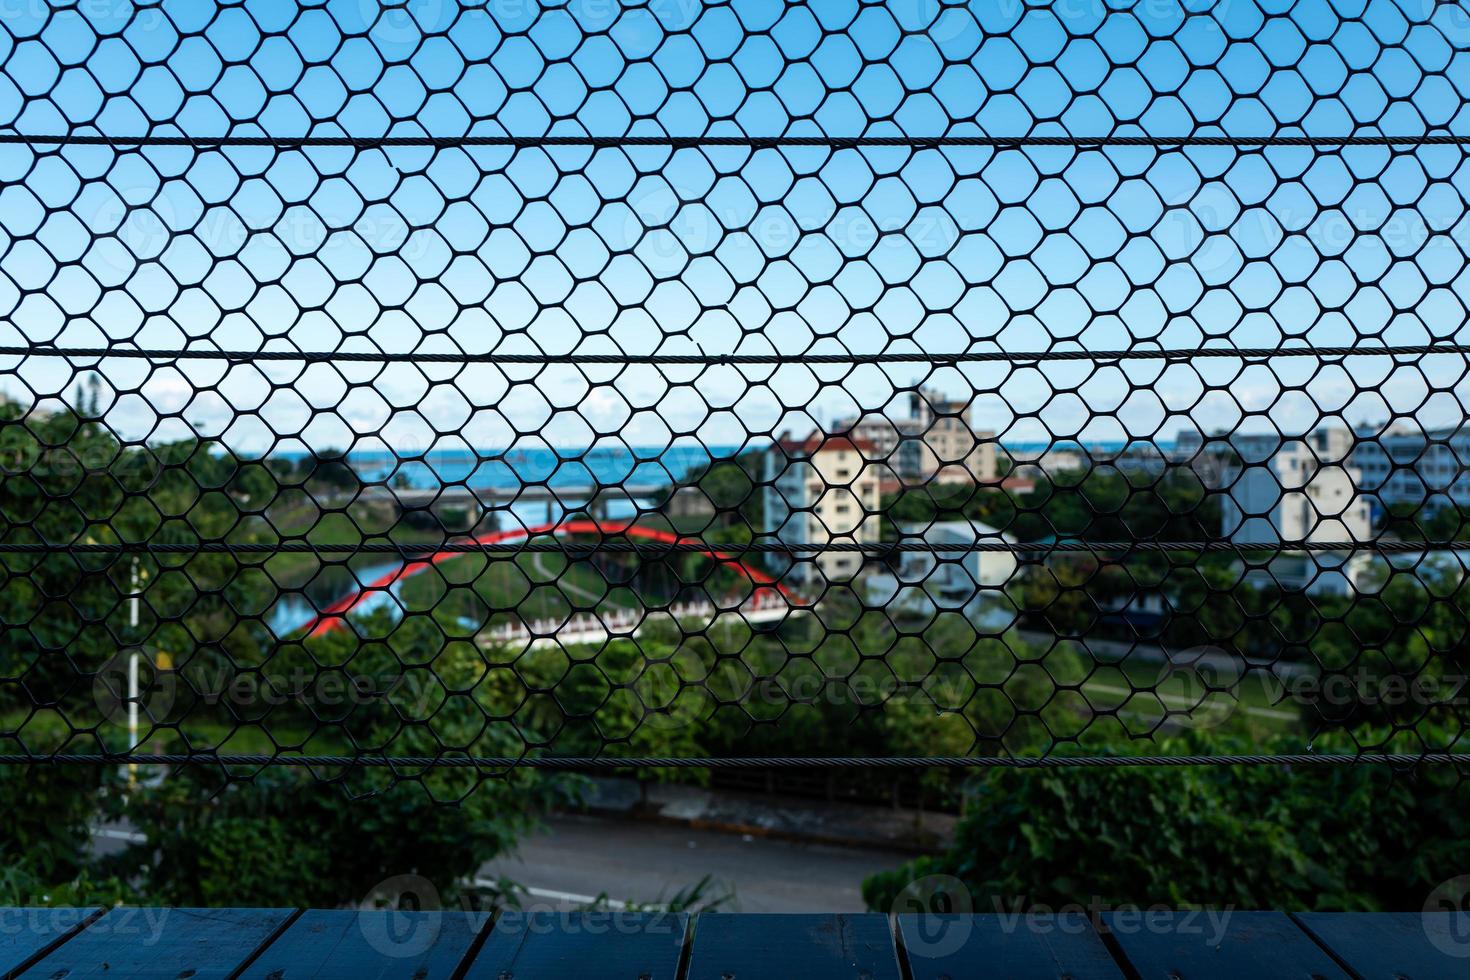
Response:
column 25, row 934
column 1193, row 945
column 547, row 945
column 1394, row 945
column 369, row 945
column 163, row 944
column 1017, row 947
column 793, row 947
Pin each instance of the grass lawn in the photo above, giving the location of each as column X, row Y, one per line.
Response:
column 1138, row 691
column 48, row 730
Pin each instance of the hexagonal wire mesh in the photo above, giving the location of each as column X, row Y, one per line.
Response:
column 927, row 384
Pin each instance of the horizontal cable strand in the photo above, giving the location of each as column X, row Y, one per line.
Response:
column 754, row 547
column 716, row 140
column 682, row 762
column 888, row 357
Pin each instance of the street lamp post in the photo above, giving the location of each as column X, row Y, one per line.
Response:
column 133, row 679
column 135, row 593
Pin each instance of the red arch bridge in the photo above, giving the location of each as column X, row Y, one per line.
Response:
column 768, row 601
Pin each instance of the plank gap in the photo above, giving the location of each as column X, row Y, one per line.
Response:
column 260, row 950
column 477, row 944
column 1331, row 953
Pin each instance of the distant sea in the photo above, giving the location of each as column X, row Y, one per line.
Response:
column 603, row 466
column 509, row 469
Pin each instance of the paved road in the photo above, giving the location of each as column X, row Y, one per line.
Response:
column 578, row 858
column 581, row 857
column 565, row 584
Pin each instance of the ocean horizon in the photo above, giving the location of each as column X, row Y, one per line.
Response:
column 511, row 468
column 499, row 468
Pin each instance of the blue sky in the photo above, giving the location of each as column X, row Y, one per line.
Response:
column 719, row 250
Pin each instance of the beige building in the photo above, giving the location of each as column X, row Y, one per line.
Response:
column 936, row 443
column 823, row 489
column 951, row 451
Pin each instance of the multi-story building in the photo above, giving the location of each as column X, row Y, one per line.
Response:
column 823, row 489
column 1401, row 468
column 1295, row 490
column 935, row 443
column 950, row 449
column 894, row 441
column 1406, row 467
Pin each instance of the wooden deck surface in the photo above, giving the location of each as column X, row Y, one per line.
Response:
column 286, row 944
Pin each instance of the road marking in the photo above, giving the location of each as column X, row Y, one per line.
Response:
column 130, row 836
column 556, row 578
column 570, row 898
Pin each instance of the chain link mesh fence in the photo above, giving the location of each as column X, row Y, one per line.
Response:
column 465, row 386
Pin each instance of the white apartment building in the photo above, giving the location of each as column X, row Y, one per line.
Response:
column 973, row 582
column 956, row 578
column 1306, row 489
column 823, row 489
column 950, row 448
column 1303, row 489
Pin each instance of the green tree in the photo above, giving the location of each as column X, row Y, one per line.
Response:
column 285, row 836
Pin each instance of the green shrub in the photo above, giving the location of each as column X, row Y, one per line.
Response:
column 286, row 839
column 1344, row 838
column 45, row 850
